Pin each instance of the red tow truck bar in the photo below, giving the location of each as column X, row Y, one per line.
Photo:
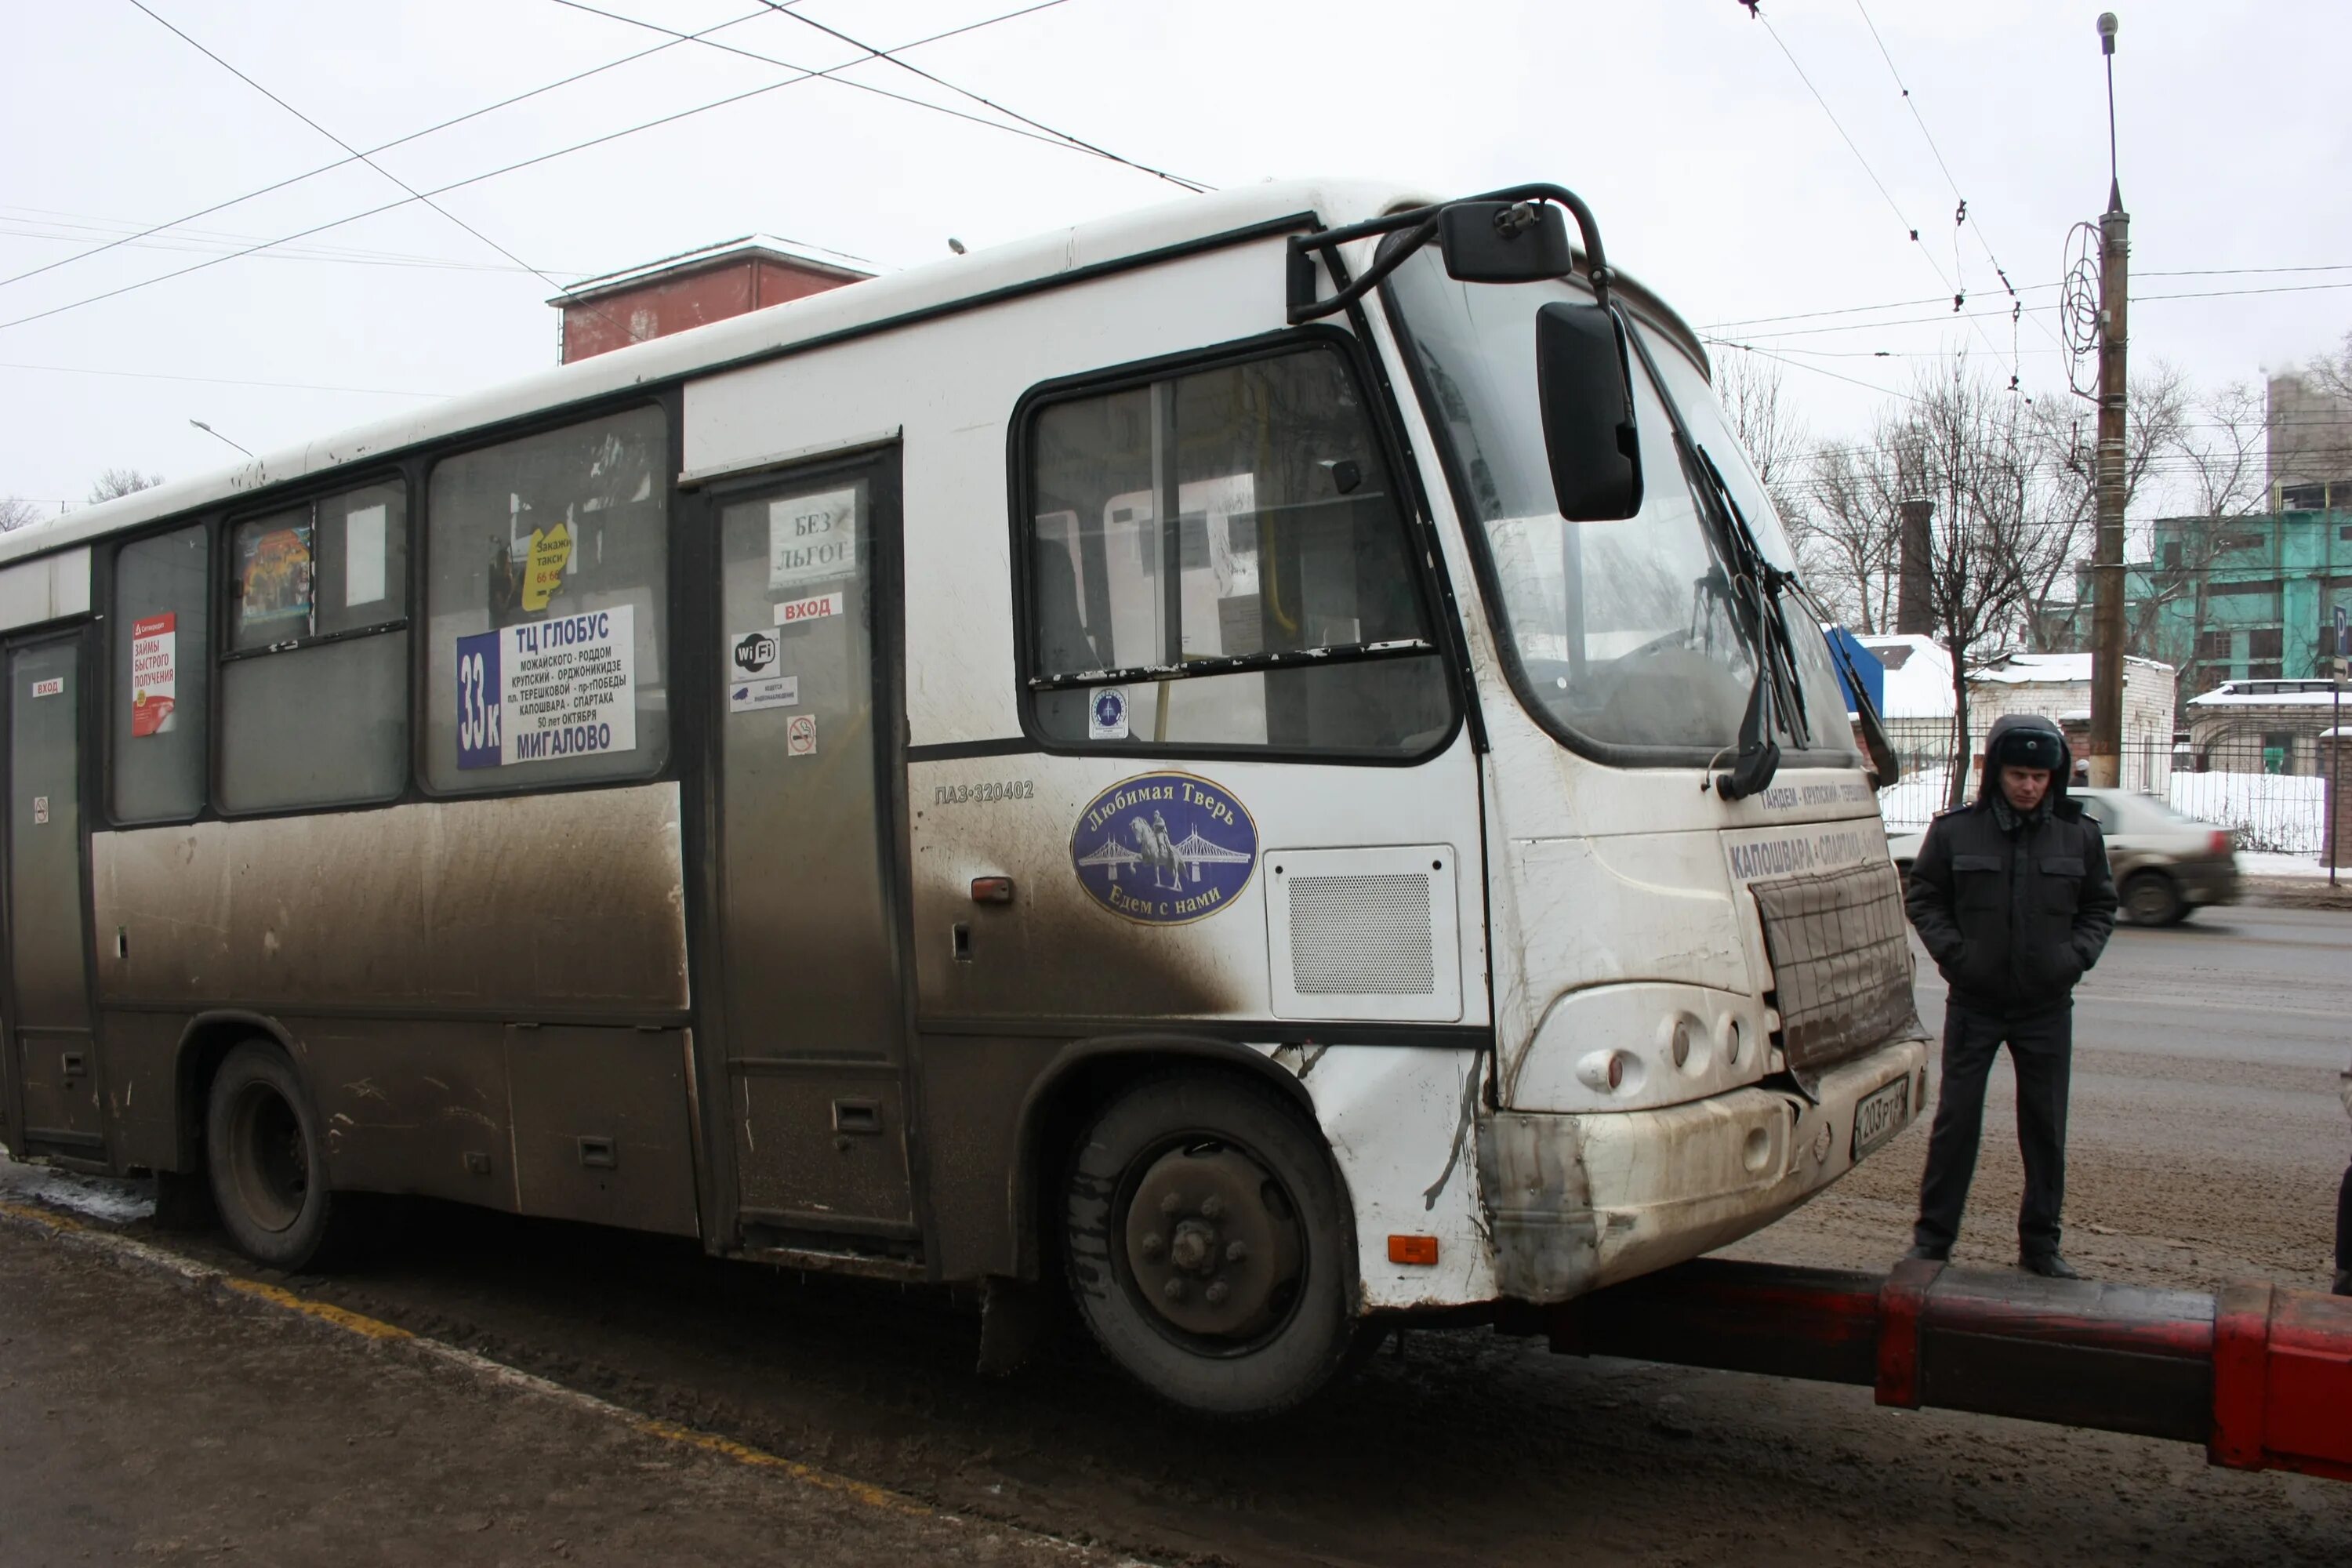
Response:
column 2261, row 1375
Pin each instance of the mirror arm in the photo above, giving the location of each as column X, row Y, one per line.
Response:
column 1423, row 221
column 1306, row 308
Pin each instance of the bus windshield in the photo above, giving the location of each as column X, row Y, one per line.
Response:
column 1623, row 633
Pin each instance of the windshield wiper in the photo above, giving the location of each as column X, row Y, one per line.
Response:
column 1778, row 686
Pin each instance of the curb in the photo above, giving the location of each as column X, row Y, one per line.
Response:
column 131, row 1252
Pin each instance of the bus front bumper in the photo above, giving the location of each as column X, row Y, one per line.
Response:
column 1586, row 1200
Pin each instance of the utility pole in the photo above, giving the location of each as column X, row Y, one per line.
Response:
column 2107, row 581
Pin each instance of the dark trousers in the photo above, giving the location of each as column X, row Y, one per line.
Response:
column 2041, row 1049
column 2343, row 1224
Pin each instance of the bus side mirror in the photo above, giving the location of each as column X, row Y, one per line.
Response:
column 1584, row 380
column 1503, row 242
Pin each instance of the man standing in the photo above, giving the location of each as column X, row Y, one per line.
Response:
column 2012, row 899
column 2344, row 1208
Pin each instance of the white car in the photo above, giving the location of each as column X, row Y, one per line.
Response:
column 2165, row 864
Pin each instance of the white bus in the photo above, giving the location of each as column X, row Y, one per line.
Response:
column 1256, row 760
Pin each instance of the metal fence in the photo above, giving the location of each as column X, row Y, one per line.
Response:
column 2240, row 784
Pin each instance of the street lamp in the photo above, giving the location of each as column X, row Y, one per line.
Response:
column 218, row 437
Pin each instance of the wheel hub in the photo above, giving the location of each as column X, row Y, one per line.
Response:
column 1214, row 1242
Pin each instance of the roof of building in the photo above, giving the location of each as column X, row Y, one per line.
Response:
column 750, row 247
column 2041, row 668
column 2268, row 694
column 1918, row 674
column 949, row 283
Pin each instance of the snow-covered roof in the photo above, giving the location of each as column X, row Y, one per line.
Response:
column 1918, row 674
column 2057, row 669
column 2246, row 694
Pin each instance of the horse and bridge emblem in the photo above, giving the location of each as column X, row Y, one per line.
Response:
column 1164, row 848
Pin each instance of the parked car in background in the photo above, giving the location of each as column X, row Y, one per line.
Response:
column 2165, row 864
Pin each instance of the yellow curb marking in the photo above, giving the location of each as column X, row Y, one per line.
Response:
column 375, row 1329
column 358, row 1323
column 870, row 1495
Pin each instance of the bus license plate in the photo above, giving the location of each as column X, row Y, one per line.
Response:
column 1882, row 1112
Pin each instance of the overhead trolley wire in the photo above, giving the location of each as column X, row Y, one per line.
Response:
column 549, row 156
column 1039, row 131
column 1193, row 186
column 184, row 37
column 1957, row 296
column 379, row 147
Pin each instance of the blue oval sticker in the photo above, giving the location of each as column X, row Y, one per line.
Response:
column 1164, row 848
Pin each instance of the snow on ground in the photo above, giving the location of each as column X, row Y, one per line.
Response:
column 109, row 1198
column 2260, row 863
column 2278, row 813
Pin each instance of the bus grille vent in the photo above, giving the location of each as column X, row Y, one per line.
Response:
column 1366, row 936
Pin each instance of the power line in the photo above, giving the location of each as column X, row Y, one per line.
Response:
column 1919, row 120
column 581, row 146
column 2029, row 287
column 831, row 74
column 379, row 147
column 1958, row 295
column 184, row 37
column 220, row 380
column 1193, row 186
column 2030, row 309
column 205, row 242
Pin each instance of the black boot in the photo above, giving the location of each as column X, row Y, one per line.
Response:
column 1928, row 1252
column 2343, row 1282
column 2049, row 1265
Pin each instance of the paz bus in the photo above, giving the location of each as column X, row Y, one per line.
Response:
column 1260, row 763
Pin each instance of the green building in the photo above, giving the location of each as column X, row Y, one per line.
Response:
column 2239, row 598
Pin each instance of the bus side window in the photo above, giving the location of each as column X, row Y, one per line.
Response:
column 1287, row 537
column 162, row 662
column 547, row 604
column 314, row 674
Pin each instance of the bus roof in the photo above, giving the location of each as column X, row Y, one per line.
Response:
column 918, row 291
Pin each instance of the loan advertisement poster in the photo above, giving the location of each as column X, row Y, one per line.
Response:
column 548, row 689
column 154, row 674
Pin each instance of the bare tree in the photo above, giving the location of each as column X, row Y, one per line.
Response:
column 2156, row 425
column 1849, row 538
column 1767, row 424
column 116, row 483
column 1973, row 449
column 17, row 512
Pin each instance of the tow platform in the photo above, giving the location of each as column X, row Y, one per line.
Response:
column 2260, row 1375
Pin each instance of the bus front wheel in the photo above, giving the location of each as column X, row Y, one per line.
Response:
column 1207, row 1244
column 268, row 1163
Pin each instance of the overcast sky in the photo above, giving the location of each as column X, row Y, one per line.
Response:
column 1716, row 173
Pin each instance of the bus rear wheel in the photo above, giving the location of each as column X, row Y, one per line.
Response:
column 1208, row 1246
column 267, row 1163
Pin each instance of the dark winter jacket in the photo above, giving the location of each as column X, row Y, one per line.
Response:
column 2014, row 909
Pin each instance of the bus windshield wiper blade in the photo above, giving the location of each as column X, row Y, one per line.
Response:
column 1234, row 663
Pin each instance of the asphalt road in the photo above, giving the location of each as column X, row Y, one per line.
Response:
column 2206, row 1142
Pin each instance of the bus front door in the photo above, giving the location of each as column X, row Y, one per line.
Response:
column 53, row 1092
column 809, row 912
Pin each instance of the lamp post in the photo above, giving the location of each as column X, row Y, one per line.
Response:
column 2107, row 578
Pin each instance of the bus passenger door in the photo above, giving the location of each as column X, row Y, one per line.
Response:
column 53, row 1088
column 813, row 985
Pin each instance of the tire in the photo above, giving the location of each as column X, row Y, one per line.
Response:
column 2151, row 900
column 1210, row 1329
column 267, row 1161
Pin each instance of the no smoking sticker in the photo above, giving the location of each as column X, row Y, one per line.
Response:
column 800, row 735
column 40, row 810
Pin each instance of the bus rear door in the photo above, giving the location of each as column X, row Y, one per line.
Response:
column 54, row 1092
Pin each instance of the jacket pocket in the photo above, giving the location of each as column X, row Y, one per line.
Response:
column 2062, row 883
column 1976, row 881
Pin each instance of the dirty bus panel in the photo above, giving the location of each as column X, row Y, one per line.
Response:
column 1099, row 765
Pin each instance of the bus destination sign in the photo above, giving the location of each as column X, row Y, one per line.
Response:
column 548, row 689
